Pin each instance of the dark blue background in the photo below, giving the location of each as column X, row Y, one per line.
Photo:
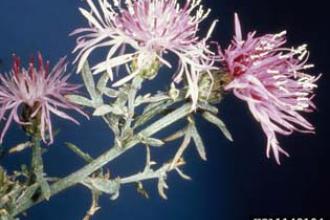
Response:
column 237, row 181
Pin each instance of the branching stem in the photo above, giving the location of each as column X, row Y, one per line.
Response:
column 114, row 152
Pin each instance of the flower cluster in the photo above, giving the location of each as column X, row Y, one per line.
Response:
column 37, row 92
column 261, row 70
column 273, row 82
column 143, row 31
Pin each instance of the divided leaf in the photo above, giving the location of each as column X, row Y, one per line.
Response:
column 103, row 185
column 162, row 185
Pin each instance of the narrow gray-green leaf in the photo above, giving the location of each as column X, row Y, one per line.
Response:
column 80, row 100
column 161, row 187
column 155, row 105
column 150, row 99
column 79, row 152
column 207, row 107
column 219, row 123
column 20, row 147
column 102, row 110
column 198, row 142
column 89, row 80
column 119, row 110
column 182, row 174
column 102, row 82
column 154, row 142
column 112, row 93
column 182, row 148
column 90, row 85
column 175, row 136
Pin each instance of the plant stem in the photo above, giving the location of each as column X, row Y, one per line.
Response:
column 38, row 167
column 146, row 175
column 113, row 153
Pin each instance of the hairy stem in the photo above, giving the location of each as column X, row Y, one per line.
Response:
column 113, row 153
column 38, row 167
column 147, row 175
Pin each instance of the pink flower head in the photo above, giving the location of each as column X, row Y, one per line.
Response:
column 271, row 79
column 40, row 91
column 144, row 30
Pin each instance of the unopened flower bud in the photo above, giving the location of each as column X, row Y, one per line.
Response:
column 174, row 92
column 211, row 86
column 31, row 118
column 148, row 64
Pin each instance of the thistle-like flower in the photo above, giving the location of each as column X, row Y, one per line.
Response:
column 143, row 31
column 271, row 79
column 33, row 94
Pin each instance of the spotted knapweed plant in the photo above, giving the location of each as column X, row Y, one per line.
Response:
column 141, row 39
